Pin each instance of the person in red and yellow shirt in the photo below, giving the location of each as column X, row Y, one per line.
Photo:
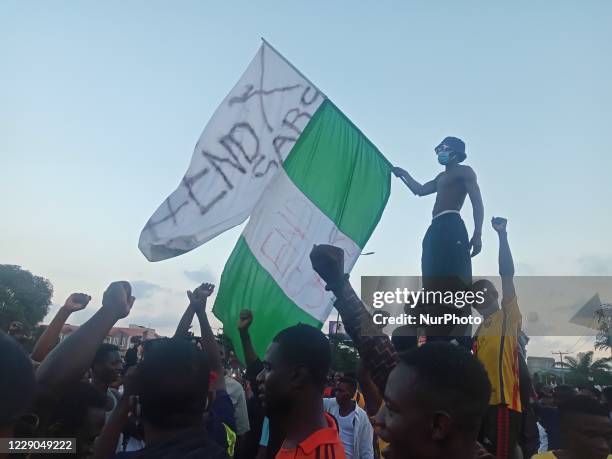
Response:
column 496, row 345
column 291, row 390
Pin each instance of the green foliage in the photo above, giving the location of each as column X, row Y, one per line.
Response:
column 603, row 342
column 344, row 355
column 585, row 370
column 23, row 296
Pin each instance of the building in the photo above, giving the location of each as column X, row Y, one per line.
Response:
column 119, row 336
column 537, row 364
column 545, row 370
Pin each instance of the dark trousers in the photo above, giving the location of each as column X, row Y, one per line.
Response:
column 447, row 267
column 446, row 250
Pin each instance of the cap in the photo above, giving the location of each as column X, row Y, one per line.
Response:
column 456, row 145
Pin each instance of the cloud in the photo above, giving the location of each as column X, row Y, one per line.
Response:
column 143, row 289
column 163, row 322
column 200, row 275
column 596, row 265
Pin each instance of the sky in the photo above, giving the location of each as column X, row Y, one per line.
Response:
column 101, row 104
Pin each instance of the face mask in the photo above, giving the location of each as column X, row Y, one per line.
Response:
column 444, row 157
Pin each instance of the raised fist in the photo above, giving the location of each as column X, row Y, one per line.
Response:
column 245, row 320
column 118, row 298
column 76, row 302
column 499, row 224
column 328, row 262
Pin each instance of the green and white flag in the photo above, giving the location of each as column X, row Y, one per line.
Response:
column 281, row 152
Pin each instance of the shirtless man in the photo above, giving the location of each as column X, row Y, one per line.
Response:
column 446, row 249
column 445, row 262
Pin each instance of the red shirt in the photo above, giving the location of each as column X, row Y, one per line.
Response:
column 322, row 444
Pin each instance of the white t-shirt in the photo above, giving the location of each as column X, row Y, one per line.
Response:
column 347, row 432
column 236, row 393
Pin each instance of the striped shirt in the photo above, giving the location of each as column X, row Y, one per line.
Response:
column 497, row 348
column 322, row 444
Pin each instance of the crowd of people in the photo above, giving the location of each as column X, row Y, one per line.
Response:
column 450, row 396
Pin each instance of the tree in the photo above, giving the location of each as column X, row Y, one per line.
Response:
column 603, row 341
column 344, row 355
column 23, row 296
column 584, row 370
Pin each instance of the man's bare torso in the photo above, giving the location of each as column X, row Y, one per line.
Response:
column 450, row 189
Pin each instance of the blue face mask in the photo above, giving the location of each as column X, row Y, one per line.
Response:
column 444, row 157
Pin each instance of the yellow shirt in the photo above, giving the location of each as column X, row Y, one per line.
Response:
column 358, row 397
column 497, row 348
column 551, row 455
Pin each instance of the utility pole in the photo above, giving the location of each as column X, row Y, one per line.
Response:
column 561, row 354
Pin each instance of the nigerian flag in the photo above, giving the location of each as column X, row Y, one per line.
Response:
column 279, row 152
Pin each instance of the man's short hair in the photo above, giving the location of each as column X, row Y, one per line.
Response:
column 351, row 382
column 582, row 404
column 452, row 380
column 172, row 383
column 456, row 145
column 102, row 352
column 17, row 381
column 306, row 345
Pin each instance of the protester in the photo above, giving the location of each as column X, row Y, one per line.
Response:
column 80, row 413
column 291, row 386
column 238, row 397
column 20, row 333
column 235, row 389
column 111, row 438
column 434, row 405
column 435, row 400
column 172, row 384
column 221, row 423
column 50, row 336
column 65, row 402
column 131, row 355
column 529, row 439
column 74, row 355
column 372, row 401
column 497, row 347
column 106, row 369
column 445, row 263
column 265, row 437
column 586, row 430
column 358, row 396
column 376, row 352
column 16, row 385
column 548, row 416
column 355, row 429
column 446, row 249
